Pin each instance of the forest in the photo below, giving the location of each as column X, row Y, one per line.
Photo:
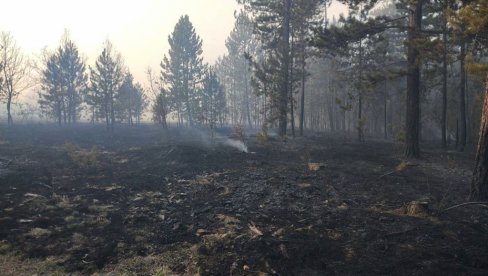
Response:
column 318, row 143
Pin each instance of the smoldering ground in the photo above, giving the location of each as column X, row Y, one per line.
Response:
column 144, row 200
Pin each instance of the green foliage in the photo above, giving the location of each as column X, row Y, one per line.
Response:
column 338, row 38
column 470, row 23
column 361, row 123
column 182, row 70
column 160, row 109
column 63, row 83
column 472, row 19
column 342, row 105
column 475, row 67
column 106, row 78
column 213, row 100
column 283, row 28
column 82, row 158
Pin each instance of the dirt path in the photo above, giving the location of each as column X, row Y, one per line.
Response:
column 147, row 201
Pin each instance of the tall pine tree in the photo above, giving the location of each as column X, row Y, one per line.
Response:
column 63, row 83
column 105, row 78
column 182, row 70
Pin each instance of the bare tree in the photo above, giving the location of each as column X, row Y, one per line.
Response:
column 14, row 71
column 160, row 106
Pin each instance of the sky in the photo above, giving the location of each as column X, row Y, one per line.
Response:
column 138, row 29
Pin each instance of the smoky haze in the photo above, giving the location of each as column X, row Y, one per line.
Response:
column 243, row 137
column 138, row 29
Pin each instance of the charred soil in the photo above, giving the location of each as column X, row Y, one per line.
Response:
column 147, row 201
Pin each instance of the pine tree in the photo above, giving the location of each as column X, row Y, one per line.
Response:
column 273, row 22
column 182, row 70
column 105, row 79
column 51, row 98
column 277, row 23
column 64, row 82
column 472, row 18
column 131, row 100
column 213, row 100
column 236, row 68
column 73, row 73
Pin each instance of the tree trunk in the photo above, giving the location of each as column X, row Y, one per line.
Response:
column 246, row 89
column 107, row 121
column 65, row 120
column 112, row 113
column 412, row 147
column 292, row 105
column 130, row 108
column 285, row 71
column 360, row 100
column 106, row 111
column 302, row 98
column 457, row 133
column 75, row 115
column 10, row 121
column 58, row 111
column 462, row 100
column 385, row 115
column 330, row 109
column 479, row 184
column 444, row 79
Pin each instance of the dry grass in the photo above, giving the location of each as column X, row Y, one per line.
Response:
column 402, row 166
column 38, row 232
column 78, row 240
column 14, row 265
column 82, row 157
column 157, row 265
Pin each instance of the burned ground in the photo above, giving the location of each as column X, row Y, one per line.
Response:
column 147, row 201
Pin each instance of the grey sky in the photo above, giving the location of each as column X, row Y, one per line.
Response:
column 138, row 29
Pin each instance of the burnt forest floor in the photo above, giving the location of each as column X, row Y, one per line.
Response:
column 144, row 201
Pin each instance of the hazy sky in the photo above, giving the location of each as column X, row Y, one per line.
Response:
column 138, row 29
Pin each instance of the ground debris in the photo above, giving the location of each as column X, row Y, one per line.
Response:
column 158, row 205
column 315, row 166
column 254, row 229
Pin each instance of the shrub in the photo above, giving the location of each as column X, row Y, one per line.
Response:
column 399, row 135
column 262, row 136
column 81, row 157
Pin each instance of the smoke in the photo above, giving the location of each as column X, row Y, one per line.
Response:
column 236, row 144
column 206, row 139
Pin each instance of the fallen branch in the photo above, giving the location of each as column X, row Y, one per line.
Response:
column 484, row 203
column 386, row 174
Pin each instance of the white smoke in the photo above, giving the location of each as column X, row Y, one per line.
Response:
column 208, row 140
column 236, row 144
